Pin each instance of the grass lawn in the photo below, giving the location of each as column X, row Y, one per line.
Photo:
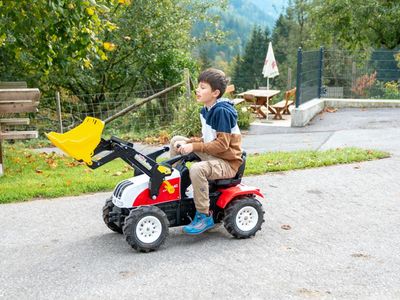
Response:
column 32, row 175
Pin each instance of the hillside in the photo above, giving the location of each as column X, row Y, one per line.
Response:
column 238, row 21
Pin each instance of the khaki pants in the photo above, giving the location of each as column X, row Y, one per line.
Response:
column 209, row 168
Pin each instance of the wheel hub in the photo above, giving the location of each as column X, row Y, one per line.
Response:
column 148, row 229
column 247, row 218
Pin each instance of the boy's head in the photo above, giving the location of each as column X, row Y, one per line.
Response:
column 212, row 85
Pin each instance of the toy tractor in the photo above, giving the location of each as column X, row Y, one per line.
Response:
column 159, row 196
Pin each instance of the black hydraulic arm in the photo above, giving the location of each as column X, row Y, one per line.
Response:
column 118, row 148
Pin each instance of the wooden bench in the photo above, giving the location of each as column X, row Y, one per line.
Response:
column 15, row 101
column 230, row 89
column 282, row 107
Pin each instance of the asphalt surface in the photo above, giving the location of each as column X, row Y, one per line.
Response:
column 341, row 240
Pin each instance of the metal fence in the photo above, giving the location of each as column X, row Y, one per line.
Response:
column 344, row 74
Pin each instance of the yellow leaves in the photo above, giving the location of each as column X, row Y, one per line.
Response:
column 103, row 56
column 71, row 6
column 109, row 46
column 111, row 26
column 124, row 2
column 87, row 63
column 3, row 38
column 90, row 11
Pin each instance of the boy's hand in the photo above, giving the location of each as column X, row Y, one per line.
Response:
column 178, row 144
column 186, row 149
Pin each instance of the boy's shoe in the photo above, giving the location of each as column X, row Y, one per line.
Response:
column 200, row 223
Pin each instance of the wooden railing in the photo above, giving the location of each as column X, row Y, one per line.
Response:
column 15, row 101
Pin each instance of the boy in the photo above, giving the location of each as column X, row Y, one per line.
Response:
column 219, row 148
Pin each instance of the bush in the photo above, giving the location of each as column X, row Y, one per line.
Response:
column 244, row 117
column 187, row 120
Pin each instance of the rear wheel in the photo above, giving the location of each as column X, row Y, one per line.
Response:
column 146, row 228
column 108, row 207
column 244, row 217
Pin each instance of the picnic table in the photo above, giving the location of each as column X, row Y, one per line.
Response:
column 260, row 98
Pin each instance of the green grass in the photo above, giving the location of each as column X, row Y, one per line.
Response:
column 32, row 175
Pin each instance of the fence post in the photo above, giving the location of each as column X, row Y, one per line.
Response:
column 187, row 83
column 59, row 111
column 320, row 71
column 298, row 81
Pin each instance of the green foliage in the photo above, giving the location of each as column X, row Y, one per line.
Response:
column 187, row 122
column 245, row 117
column 356, row 24
column 386, row 90
column 96, row 47
column 49, row 175
column 41, row 37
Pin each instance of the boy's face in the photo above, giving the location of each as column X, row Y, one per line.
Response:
column 205, row 94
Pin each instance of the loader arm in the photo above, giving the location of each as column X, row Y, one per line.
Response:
column 117, row 148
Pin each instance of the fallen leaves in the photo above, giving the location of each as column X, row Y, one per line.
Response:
column 330, row 109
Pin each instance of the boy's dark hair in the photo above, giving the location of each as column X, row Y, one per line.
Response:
column 216, row 79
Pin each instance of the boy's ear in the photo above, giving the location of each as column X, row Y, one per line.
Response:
column 216, row 93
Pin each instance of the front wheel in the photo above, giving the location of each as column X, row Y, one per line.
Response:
column 146, row 228
column 244, row 217
column 108, row 207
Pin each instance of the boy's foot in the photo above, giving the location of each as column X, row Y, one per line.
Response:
column 200, row 223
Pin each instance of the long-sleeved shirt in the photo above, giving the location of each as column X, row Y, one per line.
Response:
column 220, row 133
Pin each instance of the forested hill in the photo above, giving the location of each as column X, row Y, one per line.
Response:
column 251, row 12
column 271, row 8
column 237, row 21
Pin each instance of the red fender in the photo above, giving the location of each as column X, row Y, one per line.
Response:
column 227, row 195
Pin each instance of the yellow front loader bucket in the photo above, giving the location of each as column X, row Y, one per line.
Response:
column 81, row 141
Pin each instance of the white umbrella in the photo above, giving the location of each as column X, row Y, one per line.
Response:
column 270, row 69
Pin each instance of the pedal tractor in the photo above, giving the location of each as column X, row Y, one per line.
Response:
column 159, row 196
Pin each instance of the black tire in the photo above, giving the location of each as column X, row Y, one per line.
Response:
column 246, row 227
column 149, row 218
column 108, row 207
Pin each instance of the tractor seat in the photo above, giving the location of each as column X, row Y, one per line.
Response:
column 232, row 181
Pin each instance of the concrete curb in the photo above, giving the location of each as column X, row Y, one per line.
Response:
column 305, row 112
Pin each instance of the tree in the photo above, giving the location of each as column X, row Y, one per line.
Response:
column 38, row 37
column 248, row 70
column 98, row 47
column 357, row 24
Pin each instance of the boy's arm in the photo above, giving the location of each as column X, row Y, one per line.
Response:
column 195, row 140
column 220, row 144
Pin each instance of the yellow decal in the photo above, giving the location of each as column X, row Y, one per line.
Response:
column 168, row 186
column 164, row 170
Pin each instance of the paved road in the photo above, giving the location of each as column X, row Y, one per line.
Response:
column 343, row 242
